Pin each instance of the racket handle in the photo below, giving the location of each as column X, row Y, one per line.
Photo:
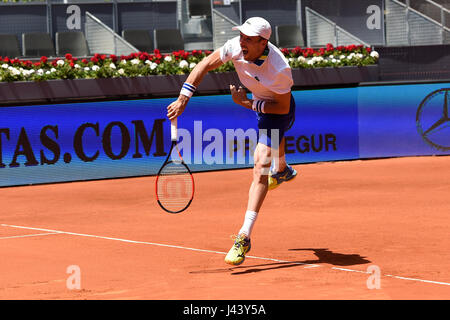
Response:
column 173, row 129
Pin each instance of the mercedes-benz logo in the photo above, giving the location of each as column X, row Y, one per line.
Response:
column 433, row 121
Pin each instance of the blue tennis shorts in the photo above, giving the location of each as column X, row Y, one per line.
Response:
column 272, row 125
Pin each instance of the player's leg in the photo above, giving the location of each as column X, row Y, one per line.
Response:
column 258, row 188
column 281, row 171
column 257, row 193
column 279, row 158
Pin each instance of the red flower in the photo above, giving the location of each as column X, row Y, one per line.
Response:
column 94, row 59
column 85, row 61
column 44, row 59
column 297, row 50
column 368, row 49
column 113, row 57
column 69, row 56
column 157, row 52
column 72, row 64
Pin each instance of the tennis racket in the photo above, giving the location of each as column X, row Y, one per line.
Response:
column 174, row 182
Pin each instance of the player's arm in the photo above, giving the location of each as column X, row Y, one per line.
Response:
column 209, row 63
column 279, row 104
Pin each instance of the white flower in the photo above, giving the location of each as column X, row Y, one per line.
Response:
column 183, row 64
column 302, row 59
column 14, row 71
column 123, row 61
column 291, row 59
column 47, row 72
column 153, row 66
column 168, row 58
column 351, row 56
column 76, row 66
column 27, row 73
column 311, row 62
column 135, row 61
column 5, row 66
column 112, row 65
column 40, row 72
column 359, row 56
column 317, row 59
column 60, row 62
column 121, row 71
column 192, row 65
column 87, row 68
column 374, row 54
column 333, row 60
column 95, row 68
column 342, row 57
column 148, row 62
column 52, row 70
column 331, row 57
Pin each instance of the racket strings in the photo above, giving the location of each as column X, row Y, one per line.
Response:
column 175, row 186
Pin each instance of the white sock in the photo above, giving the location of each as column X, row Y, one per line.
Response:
column 250, row 218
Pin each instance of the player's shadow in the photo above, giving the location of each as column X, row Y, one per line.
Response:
column 323, row 256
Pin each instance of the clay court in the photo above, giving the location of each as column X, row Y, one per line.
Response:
column 315, row 238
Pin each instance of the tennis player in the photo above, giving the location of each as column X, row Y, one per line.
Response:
column 263, row 69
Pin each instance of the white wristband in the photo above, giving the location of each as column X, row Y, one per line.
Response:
column 258, row 105
column 187, row 89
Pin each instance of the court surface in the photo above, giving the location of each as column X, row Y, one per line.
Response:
column 322, row 236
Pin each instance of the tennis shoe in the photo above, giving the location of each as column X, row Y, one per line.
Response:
column 275, row 179
column 236, row 255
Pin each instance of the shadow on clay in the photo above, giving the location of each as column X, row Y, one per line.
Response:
column 323, row 256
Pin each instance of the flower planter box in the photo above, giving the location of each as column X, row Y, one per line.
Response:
column 163, row 86
column 334, row 76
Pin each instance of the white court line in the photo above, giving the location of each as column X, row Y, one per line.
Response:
column 211, row 251
column 350, row 270
column 148, row 243
column 29, row 235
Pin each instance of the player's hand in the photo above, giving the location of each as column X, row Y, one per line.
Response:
column 239, row 95
column 177, row 107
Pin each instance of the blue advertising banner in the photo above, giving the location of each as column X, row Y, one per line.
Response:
column 403, row 120
column 97, row 140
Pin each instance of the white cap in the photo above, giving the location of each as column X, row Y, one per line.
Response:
column 255, row 26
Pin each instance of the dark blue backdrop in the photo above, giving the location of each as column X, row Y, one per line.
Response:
column 96, row 140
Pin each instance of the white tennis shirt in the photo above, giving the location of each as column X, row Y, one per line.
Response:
column 265, row 76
